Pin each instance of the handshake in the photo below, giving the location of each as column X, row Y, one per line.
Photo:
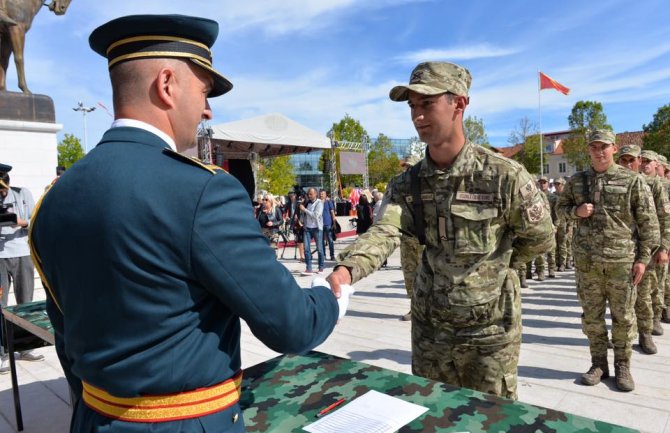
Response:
column 343, row 300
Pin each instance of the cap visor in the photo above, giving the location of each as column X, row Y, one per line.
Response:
column 401, row 93
column 221, row 83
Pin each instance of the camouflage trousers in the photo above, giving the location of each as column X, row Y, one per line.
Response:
column 489, row 369
column 666, row 287
column 597, row 284
column 644, row 312
column 563, row 245
column 410, row 258
column 659, row 292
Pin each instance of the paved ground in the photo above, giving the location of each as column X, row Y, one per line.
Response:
column 553, row 355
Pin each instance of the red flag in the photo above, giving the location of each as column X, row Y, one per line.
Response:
column 548, row 83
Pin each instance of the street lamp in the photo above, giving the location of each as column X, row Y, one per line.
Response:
column 84, row 110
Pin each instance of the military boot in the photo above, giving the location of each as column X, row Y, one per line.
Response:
column 624, row 380
column 529, row 274
column 665, row 315
column 540, row 276
column 561, row 268
column 647, row 344
column 522, row 280
column 552, row 274
column 406, row 317
column 599, row 370
column 658, row 329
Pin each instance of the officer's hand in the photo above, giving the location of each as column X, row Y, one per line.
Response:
column 661, row 257
column 21, row 222
column 585, row 210
column 638, row 272
column 339, row 276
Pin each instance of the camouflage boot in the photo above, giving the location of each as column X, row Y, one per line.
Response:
column 624, row 380
column 647, row 344
column 540, row 276
column 522, row 280
column 561, row 268
column 658, row 329
column 665, row 315
column 599, row 370
column 552, row 274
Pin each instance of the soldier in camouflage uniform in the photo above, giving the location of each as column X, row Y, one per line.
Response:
column 482, row 217
column 656, row 286
column 563, row 230
column 609, row 204
column 552, row 199
column 410, row 248
column 665, row 313
column 629, row 157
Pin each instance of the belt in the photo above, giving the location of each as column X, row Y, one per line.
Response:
column 167, row 407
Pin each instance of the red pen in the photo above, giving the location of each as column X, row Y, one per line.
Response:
column 329, row 408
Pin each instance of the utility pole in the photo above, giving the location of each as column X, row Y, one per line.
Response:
column 84, row 110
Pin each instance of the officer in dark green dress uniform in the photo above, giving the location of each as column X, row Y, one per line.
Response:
column 151, row 258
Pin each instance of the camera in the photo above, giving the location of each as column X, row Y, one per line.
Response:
column 7, row 218
column 300, row 194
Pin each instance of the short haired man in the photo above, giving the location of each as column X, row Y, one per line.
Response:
column 629, row 157
column 482, row 214
column 151, row 258
column 563, row 231
column 329, row 219
column 312, row 218
column 616, row 231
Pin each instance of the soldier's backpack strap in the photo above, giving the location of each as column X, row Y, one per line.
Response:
column 585, row 186
column 417, row 204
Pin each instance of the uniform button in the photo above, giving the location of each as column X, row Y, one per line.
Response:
column 236, row 416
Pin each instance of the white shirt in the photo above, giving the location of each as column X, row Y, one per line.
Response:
column 143, row 125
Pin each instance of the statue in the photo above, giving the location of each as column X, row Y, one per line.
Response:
column 16, row 16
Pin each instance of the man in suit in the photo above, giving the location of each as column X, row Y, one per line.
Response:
column 150, row 258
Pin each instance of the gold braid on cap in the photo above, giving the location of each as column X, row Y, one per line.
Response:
column 138, row 47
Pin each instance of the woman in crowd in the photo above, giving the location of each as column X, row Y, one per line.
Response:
column 363, row 214
column 270, row 218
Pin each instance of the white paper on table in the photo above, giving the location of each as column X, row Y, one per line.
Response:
column 373, row 412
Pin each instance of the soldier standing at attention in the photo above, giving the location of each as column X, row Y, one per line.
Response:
column 551, row 255
column 610, row 205
column 151, row 258
column 654, row 288
column 563, row 231
column 665, row 313
column 480, row 216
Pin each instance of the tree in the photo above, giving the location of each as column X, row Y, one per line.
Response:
column 276, row 175
column 475, row 132
column 383, row 164
column 585, row 117
column 657, row 133
column 529, row 156
column 69, row 151
column 350, row 130
column 524, row 129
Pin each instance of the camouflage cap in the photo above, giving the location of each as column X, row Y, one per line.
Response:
column 560, row 180
column 603, row 136
column 543, row 179
column 434, row 78
column 662, row 159
column 649, row 154
column 631, row 150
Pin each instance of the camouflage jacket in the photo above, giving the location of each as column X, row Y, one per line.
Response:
column 662, row 202
column 552, row 199
column 482, row 215
column 622, row 202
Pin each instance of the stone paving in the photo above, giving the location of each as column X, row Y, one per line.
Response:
column 554, row 353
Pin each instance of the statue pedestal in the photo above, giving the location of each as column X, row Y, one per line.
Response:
column 28, row 140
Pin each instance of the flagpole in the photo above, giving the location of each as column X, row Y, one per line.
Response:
column 539, row 106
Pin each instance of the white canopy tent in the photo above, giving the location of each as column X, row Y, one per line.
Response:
column 268, row 135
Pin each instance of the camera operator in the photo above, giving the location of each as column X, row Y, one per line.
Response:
column 312, row 211
column 294, row 217
column 14, row 252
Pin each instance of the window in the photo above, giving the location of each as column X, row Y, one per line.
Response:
column 562, row 167
column 546, row 168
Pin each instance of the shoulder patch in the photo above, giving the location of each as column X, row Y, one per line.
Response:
column 535, row 213
column 214, row 169
column 528, row 190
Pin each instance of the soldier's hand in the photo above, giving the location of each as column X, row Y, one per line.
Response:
column 638, row 273
column 661, row 257
column 585, row 210
column 339, row 276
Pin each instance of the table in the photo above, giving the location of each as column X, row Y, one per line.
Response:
column 285, row 393
column 27, row 327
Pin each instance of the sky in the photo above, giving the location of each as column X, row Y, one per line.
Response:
column 316, row 61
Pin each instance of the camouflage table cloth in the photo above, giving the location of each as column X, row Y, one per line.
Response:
column 284, row 394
